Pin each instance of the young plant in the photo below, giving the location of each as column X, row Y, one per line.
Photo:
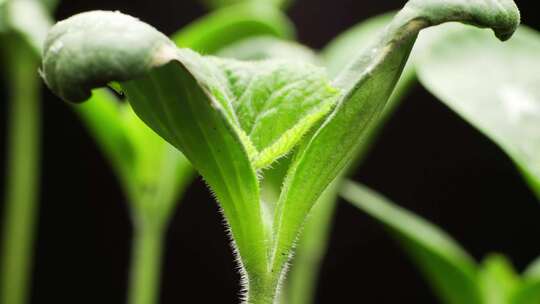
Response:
column 452, row 273
column 235, row 119
column 23, row 27
column 152, row 173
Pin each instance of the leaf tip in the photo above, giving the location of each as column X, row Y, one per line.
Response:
column 91, row 49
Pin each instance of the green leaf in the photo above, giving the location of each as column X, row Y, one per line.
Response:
column 493, row 86
column 533, row 270
column 215, row 4
column 228, row 117
column 232, row 24
column 498, row 280
column 310, row 250
column 276, row 103
column 367, row 84
column 529, row 291
column 358, row 39
column 449, row 269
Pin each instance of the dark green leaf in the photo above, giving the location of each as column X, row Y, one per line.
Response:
column 498, row 280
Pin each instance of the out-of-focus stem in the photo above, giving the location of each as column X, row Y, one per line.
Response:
column 22, row 177
column 147, row 250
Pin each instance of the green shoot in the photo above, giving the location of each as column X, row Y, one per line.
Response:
column 234, row 119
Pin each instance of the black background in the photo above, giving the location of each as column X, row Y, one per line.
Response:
column 427, row 159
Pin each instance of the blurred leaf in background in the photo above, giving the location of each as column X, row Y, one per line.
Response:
column 494, row 86
column 455, row 277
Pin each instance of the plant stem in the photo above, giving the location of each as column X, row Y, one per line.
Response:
column 22, row 175
column 260, row 292
column 301, row 282
column 146, row 264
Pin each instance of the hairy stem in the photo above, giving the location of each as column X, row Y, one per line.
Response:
column 262, row 292
column 22, row 175
column 301, row 282
column 145, row 265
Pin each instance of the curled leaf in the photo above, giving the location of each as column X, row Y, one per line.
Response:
column 92, row 49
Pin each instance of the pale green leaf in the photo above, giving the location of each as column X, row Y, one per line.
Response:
column 529, row 291
column 448, row 268
column 337, row 55
column 367, row 84
column 498, row 280
column 494, row 86
column 276, row 103
column 232, row 24
column 300, row 283
column 533, row 270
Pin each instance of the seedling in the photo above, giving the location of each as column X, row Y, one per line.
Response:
column 152, row 173
column 234, row 120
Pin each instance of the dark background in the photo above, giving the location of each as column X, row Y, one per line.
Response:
column 427, row 159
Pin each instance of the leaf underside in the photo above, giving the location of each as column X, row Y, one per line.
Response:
column 494, row 86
